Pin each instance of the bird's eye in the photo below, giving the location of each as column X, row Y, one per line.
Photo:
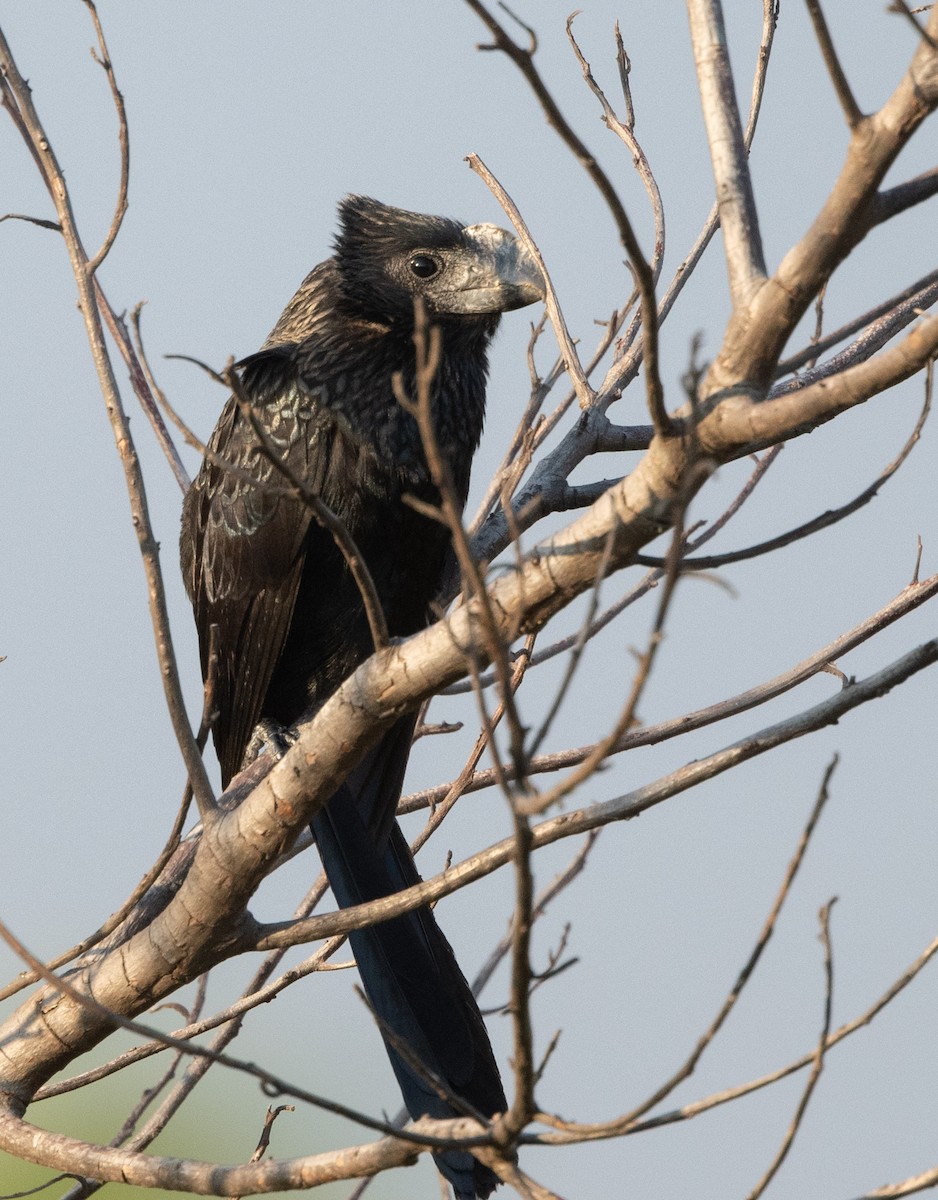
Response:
column 423, row 266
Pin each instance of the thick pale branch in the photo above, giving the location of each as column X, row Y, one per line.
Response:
column 739, row 420
column 41, row 1032
column 108, row 1164
column 757, row 333
column 206, row 917
column 738, row 217
column 624, row 807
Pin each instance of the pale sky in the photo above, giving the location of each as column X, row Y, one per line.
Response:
column 248, row 123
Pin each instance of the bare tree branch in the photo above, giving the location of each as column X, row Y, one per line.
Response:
column 816, row 1067
column 917, row 593
column 735, row 200
column 851, row 109
column 120, row 208
column 16, row 92
column 191, row 911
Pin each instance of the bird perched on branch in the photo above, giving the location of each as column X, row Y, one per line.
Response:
column 290, row 623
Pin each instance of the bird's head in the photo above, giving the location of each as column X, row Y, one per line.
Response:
column 386, row 257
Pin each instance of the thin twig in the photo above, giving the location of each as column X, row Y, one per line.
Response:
column 524, row 61
column 900, row 7
column 909, row 599
column 120, row 206
column 762, row 941
column 554, row 888
column 644, row 272
column 40, row 221
column 816, row 1066
column 629, row 357
column 623, row 1123
column 651, row 580
column 921, row 294
column 458, row 786
column 576, row 653
column 16, row 93
column 522, row 1107
column 150, row 1093
column 427, row 348
column 139, row 381
column 561, row 332
column 695, row 1108
column 646, row 662
column 851, row 109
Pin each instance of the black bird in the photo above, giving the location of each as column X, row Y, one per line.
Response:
column 291, row 624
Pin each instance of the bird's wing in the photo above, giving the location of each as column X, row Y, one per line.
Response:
column 245, row 542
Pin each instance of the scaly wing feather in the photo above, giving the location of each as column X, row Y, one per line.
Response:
column 245, row 544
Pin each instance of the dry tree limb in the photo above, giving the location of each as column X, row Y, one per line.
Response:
column 579, row 821
column 207, row 919
column 646, row 661
column 695, row 1108
column 455, row 790
column 105, row 1164
column 817, row 1064
column 879, row 324
column 763, row 321
column 567, row 345
column 816, row 524
column 16, row 95
column 541, row 904
column 852, row 112
column 624, row 1123
column 644, row 272
column 592, row 493
column 120, row 206
column 494, row 637
column 910, row 598
column 624, row 369
column 736, row 202
column 546, row 490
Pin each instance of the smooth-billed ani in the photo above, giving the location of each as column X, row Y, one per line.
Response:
column 291, row 624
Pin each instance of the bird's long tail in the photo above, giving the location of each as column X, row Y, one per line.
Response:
column 408, row 969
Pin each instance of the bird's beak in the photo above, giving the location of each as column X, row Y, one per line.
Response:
column 503, row 275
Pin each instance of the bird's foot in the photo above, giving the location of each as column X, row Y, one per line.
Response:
column 269, row 737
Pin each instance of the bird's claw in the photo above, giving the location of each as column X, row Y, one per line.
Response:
column 269, row 737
